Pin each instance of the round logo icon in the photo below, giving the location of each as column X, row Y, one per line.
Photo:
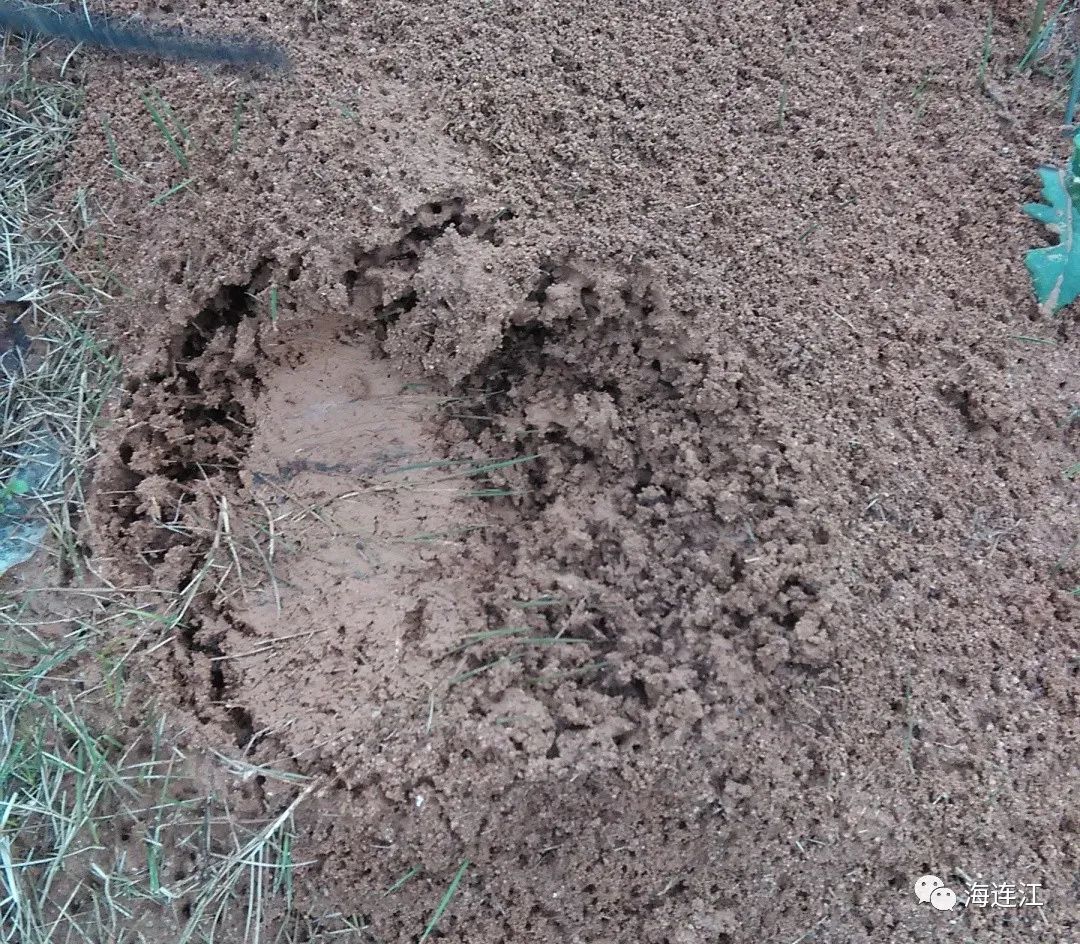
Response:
column 943, row 898
column 926, row 886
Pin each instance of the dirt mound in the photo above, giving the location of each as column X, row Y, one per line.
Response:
column 606, row 443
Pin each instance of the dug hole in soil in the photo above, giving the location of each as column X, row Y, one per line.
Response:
column 656, row 501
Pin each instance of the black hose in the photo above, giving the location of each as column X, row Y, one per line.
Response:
column 27, row 18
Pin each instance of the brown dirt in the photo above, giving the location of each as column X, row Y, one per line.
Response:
column 746, row 279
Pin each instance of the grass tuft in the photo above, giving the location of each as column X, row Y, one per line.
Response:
column 54, row 380
column 158, row 110
column 105, row 828
column 1039, row 32
column 96, row 830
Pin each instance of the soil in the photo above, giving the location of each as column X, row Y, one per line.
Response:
column 628, row 454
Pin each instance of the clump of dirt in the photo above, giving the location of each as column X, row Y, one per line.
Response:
column 621, row 455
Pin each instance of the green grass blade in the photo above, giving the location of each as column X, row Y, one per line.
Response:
column 1074, row 94
column 172, row 191
column 984, row 58
column 114, row 154
column 401, row 882
column 445, row 902
column 1038, row 37
column 170, row 140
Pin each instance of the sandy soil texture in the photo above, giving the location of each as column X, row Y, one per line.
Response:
column 635, row 450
